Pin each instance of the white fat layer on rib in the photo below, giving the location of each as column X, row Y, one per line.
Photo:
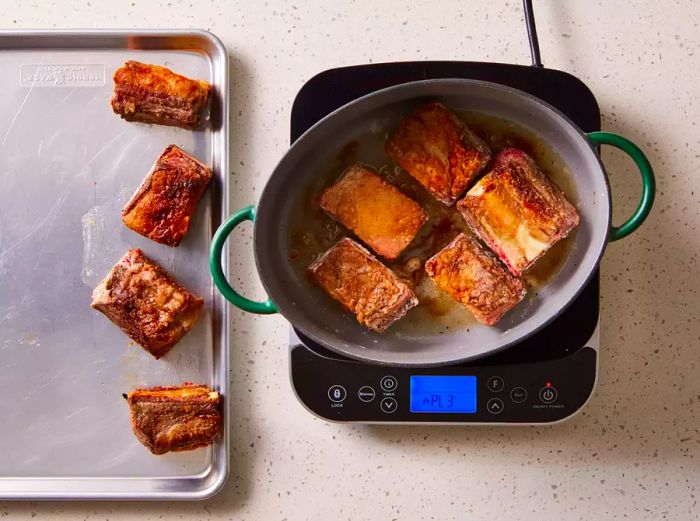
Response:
column 477, row 190
column 530, row 246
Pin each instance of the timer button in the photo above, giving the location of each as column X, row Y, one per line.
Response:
column 388, row 405
column 388, row 383
column 366, row 393
column 337, row 393
column 494, row 406
column 495, row 384
column 548, row 394
column 518, row 394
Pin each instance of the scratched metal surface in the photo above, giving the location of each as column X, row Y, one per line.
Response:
column 68, row 165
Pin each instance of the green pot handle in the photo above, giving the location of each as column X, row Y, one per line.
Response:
column 217, row 272
column 648, row 182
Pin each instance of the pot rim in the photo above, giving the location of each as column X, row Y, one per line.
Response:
column 410, row 86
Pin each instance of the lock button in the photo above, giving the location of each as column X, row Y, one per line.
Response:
column 337, row 393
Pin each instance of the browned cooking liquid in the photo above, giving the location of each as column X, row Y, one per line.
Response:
column 312, row 231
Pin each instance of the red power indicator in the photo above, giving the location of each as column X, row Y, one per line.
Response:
column 549, row 384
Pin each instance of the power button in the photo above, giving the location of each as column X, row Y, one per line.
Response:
column 548, row 394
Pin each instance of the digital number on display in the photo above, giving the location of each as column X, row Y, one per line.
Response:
column 443, row 394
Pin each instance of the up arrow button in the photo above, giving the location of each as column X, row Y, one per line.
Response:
column 494, row 406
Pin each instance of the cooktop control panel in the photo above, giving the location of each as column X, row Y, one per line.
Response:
column 339, row 389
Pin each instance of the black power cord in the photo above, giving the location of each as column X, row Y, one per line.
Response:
column 532, row 34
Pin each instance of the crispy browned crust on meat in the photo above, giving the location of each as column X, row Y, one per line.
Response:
column 155, row 94
column 475, row 278
column 380, row 214
column 364, row 286
column 518, row 211
column 439, row 151
column 163, row 206
column 147, row 303
column 169, row 419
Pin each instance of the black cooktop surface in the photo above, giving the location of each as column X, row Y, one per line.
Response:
column 333, row 88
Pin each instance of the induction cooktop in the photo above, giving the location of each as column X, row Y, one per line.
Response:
column 547, row 378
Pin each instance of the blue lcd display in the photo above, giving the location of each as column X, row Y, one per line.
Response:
column 445, row 394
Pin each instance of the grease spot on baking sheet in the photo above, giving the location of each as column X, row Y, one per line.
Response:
column 98, row 251
column 93, row 229
column 125, row 193
column 29, row 338
column 134, row 366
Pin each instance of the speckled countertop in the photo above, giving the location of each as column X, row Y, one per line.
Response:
column 634, row 451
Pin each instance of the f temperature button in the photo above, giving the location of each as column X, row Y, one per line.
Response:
column 337, row 393
column 495, row 384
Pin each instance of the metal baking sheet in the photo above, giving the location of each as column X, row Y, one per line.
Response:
column 68, row 165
